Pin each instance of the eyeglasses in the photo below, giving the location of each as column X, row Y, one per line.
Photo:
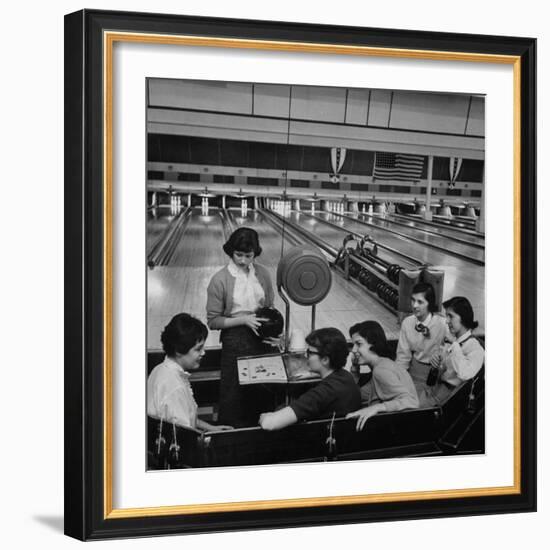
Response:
column 310, row 352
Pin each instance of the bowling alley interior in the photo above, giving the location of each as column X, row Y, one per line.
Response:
column 356, row 196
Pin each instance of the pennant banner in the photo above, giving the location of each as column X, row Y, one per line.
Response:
column 337, row 157
column 455, row 163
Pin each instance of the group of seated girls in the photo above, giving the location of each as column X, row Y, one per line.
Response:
column 425, row 341
column 243, row 286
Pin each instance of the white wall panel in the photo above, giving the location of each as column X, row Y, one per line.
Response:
column 316, row 103
column 444, row 113
column 233, row 97
column 379, row 108
column 476, row 119
column 358, row 103
column 271, row 100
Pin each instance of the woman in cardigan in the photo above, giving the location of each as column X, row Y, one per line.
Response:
column 234, row 294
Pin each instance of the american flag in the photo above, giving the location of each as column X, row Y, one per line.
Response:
column 398, row 166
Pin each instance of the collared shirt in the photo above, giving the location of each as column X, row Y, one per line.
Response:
column 415, row 344
column 248, row 294
column 462, row 359
column 419, row 326
column 170, row 396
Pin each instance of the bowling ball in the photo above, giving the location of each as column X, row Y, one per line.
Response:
column 273, row 327
column 354, row 269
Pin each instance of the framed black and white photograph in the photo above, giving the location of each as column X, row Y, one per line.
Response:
column 304, row 288
column 331, row 187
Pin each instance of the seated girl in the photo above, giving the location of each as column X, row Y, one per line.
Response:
column 391, row 387
column 336, row 394
column 462, row 356
column 421, row 335
column 169, row 392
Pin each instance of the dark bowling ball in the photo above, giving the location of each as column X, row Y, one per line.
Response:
column 372, row 282
column 354, row 269
column 273, row 327
column 396, row 300
column 366, row 277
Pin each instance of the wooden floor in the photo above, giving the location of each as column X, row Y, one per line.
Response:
column 181, row 286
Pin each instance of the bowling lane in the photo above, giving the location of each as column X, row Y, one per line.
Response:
column 432, row 240
column 462, row 278
column 440, row 222
column 201, row 243
column 158, row 220
column 345, row 304
column 446, row 232
column 181, row 286
column 334, row 235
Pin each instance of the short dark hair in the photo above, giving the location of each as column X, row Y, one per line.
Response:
column 245, row 240
column 429, row 293
column 462, row 307
column 182, row 333
column 374, row 334
column 331, row 343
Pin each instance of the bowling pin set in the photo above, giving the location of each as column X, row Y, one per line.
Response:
column 336, row 207
column 281, row 207
column 175, row 204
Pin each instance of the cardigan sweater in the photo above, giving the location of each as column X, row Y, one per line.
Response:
column 219, row 302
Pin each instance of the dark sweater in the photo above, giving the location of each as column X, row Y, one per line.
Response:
column 337, row 393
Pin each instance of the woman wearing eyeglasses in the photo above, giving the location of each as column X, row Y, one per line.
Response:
column 421, row 335
column 337, row 393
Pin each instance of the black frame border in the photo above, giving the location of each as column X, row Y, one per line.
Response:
column 84, row 258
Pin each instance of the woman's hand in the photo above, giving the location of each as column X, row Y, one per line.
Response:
column 275, row 342
column 363, row 415
column 252, row 322
column 266, row 421
column 435, row 361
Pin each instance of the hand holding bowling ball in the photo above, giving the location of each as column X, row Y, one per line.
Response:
column 253, row 322
column 271, row 323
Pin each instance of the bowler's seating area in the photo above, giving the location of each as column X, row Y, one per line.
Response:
column 418, row 432
column 206, row 379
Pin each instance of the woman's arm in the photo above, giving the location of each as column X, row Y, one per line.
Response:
column 205, row 426
column 394, row 391
column 215, row 303
column 278, row 420
column 363, row 415
column 466, row 363
column 403, row 354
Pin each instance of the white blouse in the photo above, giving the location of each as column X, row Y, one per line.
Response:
column 170, row 396
column 462, row 359
column 248, row 294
